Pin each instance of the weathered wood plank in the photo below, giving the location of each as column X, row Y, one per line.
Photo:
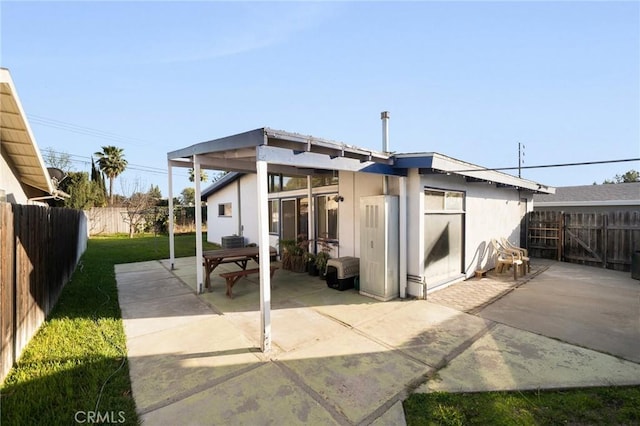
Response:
column 7, row 290
column 38, row 252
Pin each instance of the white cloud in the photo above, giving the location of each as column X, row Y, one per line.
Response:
column 243, row 28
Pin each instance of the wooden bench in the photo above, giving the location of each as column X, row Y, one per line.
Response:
column 234, row 276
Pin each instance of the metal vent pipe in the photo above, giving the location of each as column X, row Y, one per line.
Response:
column 384, row 116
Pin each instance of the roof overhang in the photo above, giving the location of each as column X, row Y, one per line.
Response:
column 18, row 140
column 285, row 152
column 433, row 162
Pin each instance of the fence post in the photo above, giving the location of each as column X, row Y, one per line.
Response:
column 561, row 224
column 605, row 232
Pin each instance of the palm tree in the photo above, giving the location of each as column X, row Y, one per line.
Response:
column 112, row 163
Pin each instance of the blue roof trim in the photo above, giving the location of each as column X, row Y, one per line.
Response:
column 413, row 162
column 219, row 184
column 384, row 169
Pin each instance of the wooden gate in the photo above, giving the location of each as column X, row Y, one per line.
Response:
column 544, row 238
column 598, row 239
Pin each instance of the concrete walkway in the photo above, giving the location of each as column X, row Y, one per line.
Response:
column 338, row 357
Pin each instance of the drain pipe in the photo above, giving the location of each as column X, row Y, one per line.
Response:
column 384, row 116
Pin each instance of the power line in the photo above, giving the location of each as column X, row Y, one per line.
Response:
column 138, row 167
column 86, row 131
column 543, row 166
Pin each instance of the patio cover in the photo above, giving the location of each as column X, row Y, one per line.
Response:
column 257, row 151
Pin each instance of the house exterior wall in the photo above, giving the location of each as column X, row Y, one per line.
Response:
column 415, row 240
column 221, row 226
column 490, row 212
column 352, row 186
column 247, row 185
column 14, row 191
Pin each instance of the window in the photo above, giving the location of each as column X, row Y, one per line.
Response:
column 453, row 201
column 275, row 182
column 437, row 200
column 324, row 180
column 224, row 209
column 327, row 217
column 274, row 216
column 290, row 183
column 279, row 182
column 433, row 200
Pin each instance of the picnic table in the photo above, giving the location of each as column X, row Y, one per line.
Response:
column 240, row 256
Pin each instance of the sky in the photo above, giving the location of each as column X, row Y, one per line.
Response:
column 471, row 80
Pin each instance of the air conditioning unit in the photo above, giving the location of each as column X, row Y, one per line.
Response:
column 233, row 241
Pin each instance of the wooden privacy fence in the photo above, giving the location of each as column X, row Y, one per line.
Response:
column 598, row 239
column 39, row 249
column 114, row 220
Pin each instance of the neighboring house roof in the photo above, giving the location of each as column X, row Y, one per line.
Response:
column 618, row 194
column 18, row 140
column 293, row 153
column 219, row 184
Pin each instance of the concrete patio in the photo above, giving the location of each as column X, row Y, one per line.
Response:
column 337, row 358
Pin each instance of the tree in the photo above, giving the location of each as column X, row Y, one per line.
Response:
column 83, row 193
column 112, row 163
column 59, row 160
column 154, row 193
column 203, row 175
column 137, row 204
column 630, row 176
column 217, row 176
column 188, row 196
column 98, row 179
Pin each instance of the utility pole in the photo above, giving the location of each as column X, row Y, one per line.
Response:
column 520, row 158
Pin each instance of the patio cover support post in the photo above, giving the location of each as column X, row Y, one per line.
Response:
column 199, row 269
column 263, row 244
column 402, row 222
column 172, row 249
column 311, row 216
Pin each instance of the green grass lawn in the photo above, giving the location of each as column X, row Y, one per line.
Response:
column 76, row 364
column 592, row 406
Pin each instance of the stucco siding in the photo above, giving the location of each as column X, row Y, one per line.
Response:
column 13, row 189
column 353, row 186
column 490, row 212
column 248, row 226
column 220, row 226
column 415, row 223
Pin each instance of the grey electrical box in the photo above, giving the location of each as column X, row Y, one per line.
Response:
column 379, row 247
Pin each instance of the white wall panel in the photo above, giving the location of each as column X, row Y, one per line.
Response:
column 491, row 212
column 220, row 226
column 249, row 207
column 9, row 183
